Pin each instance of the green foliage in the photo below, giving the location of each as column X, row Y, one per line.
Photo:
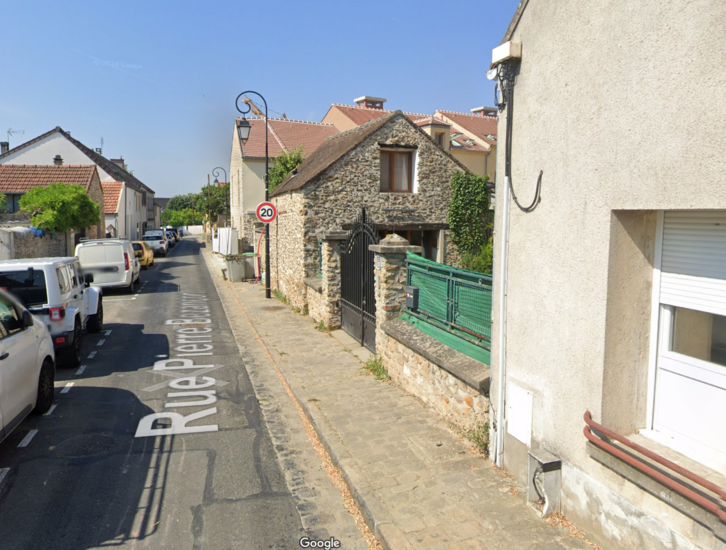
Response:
column 279, row 295
column 214, row 196
column 469, row 214
column 285, row 163
column 480, row 261
column 374, row 365
column 182, row 202
column 179, row 218
column 479, row 436
column 3, row 204
column 60, row 207
column 322, row 327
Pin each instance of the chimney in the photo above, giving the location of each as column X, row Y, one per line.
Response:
column 485, row 111
column 4, row 147
column 58, row 160
column 119, row 162
column 370, row 102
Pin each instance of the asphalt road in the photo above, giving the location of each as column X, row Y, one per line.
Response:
column 101, row 472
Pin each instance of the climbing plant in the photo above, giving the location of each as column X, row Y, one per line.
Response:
column 470, row 220
column 284, row 164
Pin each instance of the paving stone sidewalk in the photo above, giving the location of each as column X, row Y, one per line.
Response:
column 418, row 483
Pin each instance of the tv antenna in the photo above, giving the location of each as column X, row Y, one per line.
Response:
column 11, row 132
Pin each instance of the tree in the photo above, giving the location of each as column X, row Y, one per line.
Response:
column 216, row 196
column 179, row 218
column 180, row 202
column 60, row 207
column 470, row 220
column 3, row 204
column 285, row 163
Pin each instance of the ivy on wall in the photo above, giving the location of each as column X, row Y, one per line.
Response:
column 470, row 220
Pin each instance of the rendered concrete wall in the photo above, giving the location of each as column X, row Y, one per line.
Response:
column 599, row 102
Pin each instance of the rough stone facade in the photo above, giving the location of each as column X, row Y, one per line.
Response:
column 335, row 198
column 95, row 191
column 21, row 242
column 324, row 298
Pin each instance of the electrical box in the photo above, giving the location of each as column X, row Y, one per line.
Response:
column 508, row 50
column 411, row 297
column 544, row 474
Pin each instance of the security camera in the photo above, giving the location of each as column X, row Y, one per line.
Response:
column 492, row 73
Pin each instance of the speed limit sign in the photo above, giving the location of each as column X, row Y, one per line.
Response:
column 266, row 212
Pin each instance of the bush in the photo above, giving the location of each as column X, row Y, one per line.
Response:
column 481, row 261
column 60, row 207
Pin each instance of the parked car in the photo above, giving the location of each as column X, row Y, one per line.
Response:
column 158, row 243
column 27, row 364
column 54, row 291
column 170, row 239
column 175, row 232
column 112, row 262
column 144, row 253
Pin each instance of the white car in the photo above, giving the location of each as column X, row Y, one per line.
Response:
column 27, row 364
column 112, row 262
column 158, row 243
column 54, row 291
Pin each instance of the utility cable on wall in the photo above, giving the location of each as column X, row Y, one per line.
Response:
column 507, row 77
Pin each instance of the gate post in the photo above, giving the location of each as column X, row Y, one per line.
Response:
column 390, row 273
column 331, row 291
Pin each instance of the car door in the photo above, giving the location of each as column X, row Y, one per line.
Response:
column 77, row 287
column 17, row 361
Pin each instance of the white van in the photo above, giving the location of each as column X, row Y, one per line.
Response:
column 112, row 262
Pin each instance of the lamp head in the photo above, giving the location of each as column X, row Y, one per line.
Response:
column 243, row 130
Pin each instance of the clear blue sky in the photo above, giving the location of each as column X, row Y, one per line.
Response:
column 157, row 79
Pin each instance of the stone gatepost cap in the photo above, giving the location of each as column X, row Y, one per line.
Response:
column 394, row 244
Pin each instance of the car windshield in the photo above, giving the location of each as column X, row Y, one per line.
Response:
column 137, row 246
column 28, row 285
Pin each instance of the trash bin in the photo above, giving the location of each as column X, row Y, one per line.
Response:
column 250, row 259
column 241, row 267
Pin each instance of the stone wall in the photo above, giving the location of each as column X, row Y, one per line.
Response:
column 316, row 301
column 21, row 242
column 288, row 241
column 463, row 403
column 235, row 185
column 95, row 191
column 324, row 301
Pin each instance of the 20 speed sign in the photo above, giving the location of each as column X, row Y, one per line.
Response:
column 266, row 212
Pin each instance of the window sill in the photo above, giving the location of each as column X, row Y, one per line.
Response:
column 315, row 283
column 663, row 493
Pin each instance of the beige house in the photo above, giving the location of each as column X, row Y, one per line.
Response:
column 611, row 295
column 471, row 138
column 247, row 163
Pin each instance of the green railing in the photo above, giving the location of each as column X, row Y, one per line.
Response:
column 455, row 300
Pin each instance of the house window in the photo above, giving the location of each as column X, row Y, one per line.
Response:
column 396, row 171
column 439, row 138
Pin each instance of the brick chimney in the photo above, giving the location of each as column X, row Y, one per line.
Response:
column 4, row 147
column 119, row 162
column 58, row 160
column 370, row 102
column 485, row 111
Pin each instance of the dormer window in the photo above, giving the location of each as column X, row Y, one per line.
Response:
column 396, row 171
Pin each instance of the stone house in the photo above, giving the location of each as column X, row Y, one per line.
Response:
column 471, row 138
column 247, row 163
column 58, row 147
column 610, row 292
column 16, row 180
column 388, row 166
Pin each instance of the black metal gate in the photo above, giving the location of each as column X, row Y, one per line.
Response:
column 358, row 304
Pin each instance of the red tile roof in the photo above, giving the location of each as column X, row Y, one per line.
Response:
column 361, row 115
column 111, row 194
column 431, row 120
column 483, row 127
column 286, row 135
column 21, row 178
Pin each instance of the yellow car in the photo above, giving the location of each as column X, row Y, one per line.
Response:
column 144, row 253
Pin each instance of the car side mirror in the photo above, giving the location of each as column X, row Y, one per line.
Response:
column 27, row 319
column 88, row 278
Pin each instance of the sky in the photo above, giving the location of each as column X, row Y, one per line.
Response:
column 157, row 80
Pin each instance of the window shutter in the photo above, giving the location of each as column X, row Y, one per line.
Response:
column 693, row 266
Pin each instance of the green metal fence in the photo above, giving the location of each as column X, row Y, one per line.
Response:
column 456, row 300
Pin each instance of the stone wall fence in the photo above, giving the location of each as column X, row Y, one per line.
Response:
column 454, row 385
column 324, row 293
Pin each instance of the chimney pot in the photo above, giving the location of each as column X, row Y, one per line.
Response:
column 370, row 102
column 4, row 147
column 58, row 160
column 119, row 162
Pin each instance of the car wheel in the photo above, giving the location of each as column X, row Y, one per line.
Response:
column 72, row 354
column 46, row 385
column 130, row 289
column 95, row 322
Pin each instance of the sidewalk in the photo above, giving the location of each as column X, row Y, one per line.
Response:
column 417, row 483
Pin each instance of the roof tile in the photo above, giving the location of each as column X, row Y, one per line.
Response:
column 287, row 135
column 111, row 194
column 21, row 178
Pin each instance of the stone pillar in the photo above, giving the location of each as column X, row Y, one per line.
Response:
column 390, row 278
column 332, row 242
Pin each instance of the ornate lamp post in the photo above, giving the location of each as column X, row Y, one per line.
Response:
column 216, row 175
column 243, row 130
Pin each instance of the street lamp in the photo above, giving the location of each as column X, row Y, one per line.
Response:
column 243, row 130
column 216, row 175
